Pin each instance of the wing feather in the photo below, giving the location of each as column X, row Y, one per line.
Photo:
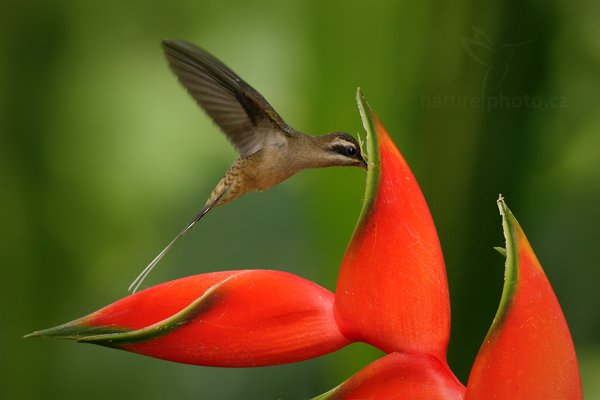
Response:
column 238, row 109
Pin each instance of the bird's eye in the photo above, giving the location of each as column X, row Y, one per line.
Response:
column 351, row 151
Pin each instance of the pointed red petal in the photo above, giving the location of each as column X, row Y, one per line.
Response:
column 528, row 352
column 392, row 291
column 400, row 376
column 228, row 319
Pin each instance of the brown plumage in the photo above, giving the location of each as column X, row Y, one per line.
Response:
column 270, row 150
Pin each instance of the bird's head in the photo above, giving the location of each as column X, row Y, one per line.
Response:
column 341, row 149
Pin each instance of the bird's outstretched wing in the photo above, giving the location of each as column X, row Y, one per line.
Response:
column 239, row 110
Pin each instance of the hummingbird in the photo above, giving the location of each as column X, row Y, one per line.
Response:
column 270, row 150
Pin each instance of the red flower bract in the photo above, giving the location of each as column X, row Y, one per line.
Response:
column 227, row 319
column 392, row 290
column 528, row 352
column 411, row 376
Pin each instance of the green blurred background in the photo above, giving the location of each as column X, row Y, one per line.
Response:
column 104, row 157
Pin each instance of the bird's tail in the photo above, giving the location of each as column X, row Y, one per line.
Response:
column 140, row 278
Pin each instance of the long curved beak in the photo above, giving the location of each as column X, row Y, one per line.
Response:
column 363, row 164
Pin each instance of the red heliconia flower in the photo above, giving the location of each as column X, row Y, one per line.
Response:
column 392, row 293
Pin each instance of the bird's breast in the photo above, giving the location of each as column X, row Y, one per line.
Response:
column 273, row 165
